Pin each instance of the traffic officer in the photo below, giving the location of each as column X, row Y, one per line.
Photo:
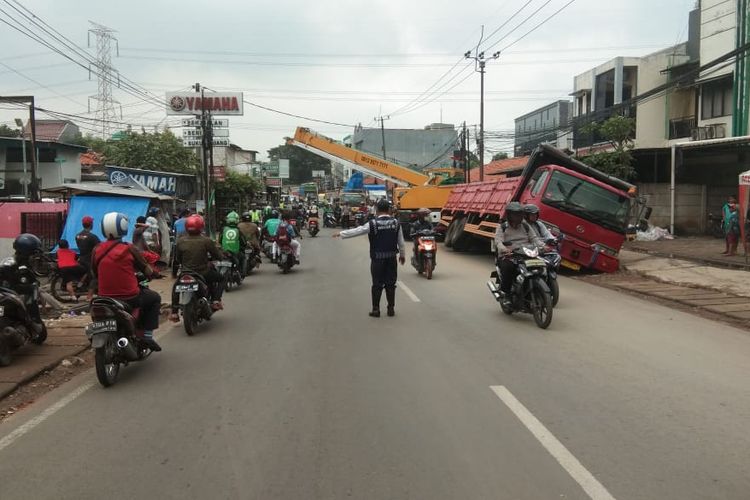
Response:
column 386, row 243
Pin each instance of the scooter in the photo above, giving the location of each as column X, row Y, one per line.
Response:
column 329, row 220
column 59, row 292
column 194, row 300
column 552, row 256
column 312, row 227
column 424, row 258
column 252, row 260
column 230, row 273
column 116, row 337
column 529, row 292
column 286, row 259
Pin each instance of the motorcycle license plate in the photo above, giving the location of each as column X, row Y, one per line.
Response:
column 186, row 288
column 535, row 263
column 570, row 265
column 2, row 311
column 108, row 325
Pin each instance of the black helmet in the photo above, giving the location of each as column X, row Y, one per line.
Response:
column 530, row 208
column 27, row 244
column 246, row 216
column 383, row 205
column 514, row 206
column 274, row 214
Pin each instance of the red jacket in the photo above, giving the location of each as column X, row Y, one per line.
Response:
column 115, row 269
column 66, row 258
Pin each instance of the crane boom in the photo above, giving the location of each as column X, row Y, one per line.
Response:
column 357, row 160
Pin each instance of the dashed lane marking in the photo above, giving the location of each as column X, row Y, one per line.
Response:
column 408, row 291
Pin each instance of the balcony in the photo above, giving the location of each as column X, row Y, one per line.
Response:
column 583, row 137
column 681, row 127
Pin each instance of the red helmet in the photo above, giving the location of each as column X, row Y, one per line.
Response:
column 87, row 221
column 194, row 224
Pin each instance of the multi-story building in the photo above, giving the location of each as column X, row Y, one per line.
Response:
column 430, row 147
column 549, row 124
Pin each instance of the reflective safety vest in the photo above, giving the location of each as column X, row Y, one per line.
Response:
column 230, row 239
column 255, row 214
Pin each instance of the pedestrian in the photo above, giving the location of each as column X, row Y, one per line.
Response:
column 725, row 215
column 733, row 230
column 386, row 245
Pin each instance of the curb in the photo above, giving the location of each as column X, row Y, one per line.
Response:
column 165, row 308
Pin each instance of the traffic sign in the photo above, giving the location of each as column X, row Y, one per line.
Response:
column 195, row 142
column 191, row 132
column 196, row 122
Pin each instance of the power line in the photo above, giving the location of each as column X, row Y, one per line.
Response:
column 537, row 26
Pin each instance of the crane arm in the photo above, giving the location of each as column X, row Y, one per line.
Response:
column 357, row 160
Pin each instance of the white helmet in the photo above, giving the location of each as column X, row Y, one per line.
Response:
column 114, row 225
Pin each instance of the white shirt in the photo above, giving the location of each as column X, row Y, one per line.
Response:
column 365, row 229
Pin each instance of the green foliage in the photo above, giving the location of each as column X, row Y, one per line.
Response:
column 301, row 162
column 500, row 156
column 237, row 185
column 6, row 131
column 160, row 151
column 619, row 132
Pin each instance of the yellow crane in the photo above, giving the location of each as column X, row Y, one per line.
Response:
column 417, row 189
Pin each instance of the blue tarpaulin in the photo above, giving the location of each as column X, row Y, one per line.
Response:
column 96, row 207
column 355, row 182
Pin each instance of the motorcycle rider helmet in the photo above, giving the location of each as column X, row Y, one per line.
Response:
column 27, row 244
column 194, row 224
column 246, row 217
column 153, row 212
column 530, row 209
column 87, row 221
column 115, row 225
column 232, row 218
column 274, row 214
column 514, row 207
column 383, row 205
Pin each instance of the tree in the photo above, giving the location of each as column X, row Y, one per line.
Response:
column 618, row 131
column 160, row 151
column 301, row 162
column 236, row 185
column 6, row 131
column 500, row 156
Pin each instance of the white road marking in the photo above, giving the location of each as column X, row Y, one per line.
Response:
column 31, row 424
column 408, row 291
column 570, row 463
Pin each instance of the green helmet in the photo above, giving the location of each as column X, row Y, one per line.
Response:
column 233, row 218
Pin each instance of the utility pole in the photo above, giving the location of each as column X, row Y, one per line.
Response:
column 206, row 141
column 464, row 155
column 105, row 107
column 382, row 132
column 29, row 100
column 479, row 64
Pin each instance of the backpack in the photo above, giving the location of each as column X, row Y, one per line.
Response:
column 282, row 234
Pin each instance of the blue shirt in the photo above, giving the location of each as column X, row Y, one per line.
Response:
column 179, row 227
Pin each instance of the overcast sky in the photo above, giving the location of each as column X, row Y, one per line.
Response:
column 343, row 61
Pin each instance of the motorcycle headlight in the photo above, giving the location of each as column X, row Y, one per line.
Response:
column 531, row 252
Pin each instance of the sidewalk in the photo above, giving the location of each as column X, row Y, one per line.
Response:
column 65, row 339
column 702, row 249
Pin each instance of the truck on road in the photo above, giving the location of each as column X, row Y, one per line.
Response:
column 590, row 212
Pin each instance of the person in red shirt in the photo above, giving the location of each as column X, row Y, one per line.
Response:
column 115, row 264
column 70, row 270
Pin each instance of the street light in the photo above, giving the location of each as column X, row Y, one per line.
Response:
column 24, row 181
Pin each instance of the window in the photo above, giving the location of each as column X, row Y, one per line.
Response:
column 716, row 99
column 539, row 178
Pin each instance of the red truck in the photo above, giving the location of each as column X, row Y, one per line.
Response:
column 590, row 212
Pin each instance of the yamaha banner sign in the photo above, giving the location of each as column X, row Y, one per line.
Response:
column 158, row 182
column 215, row 103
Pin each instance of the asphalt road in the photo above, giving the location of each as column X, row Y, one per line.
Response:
column 294, row 393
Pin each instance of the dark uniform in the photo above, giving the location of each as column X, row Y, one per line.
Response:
column 192, row 253
column 386, row 243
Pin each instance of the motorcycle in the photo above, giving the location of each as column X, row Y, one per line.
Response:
column 230, row 273
column 17, row 327
column 551, row 255
column 286, row 259
column 268, row 245
column 360, row 218
column 194, row 300
column 59, row 291
column 312, row 227
column 424, row 258
column 116, row 336
column 252, row 261
column 529, row 293
column 329, row 220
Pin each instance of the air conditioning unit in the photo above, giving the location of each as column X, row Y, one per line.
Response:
column 694, row 133
column 710, row 132
column 702, row 136
column 720, row 131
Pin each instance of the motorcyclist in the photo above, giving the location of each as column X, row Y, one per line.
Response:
column 192, row 252
column 423, row 223
column 115, row 264
column 86, row 241
column 249, row 228
column 270, row 227
column 293, row 242
column 510, row 235
column 232, row 240
column 531, row 214
column 313, row 215
column 16, row 274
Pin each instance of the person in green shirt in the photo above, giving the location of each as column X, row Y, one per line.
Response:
column 232, row 240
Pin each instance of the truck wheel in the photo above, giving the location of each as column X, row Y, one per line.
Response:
column 457, row 238
column 449, row 234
